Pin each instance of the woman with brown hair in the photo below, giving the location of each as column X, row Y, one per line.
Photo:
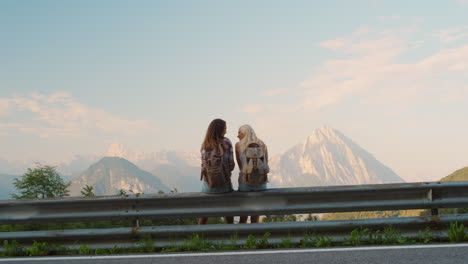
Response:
column 217, row 163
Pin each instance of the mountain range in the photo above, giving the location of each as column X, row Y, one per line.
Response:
column 6, row 186
column 326, row 157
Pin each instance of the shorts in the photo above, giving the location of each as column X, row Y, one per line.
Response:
column 221, row 189
column 250, row 188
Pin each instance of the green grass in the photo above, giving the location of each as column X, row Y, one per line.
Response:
column 360, row 236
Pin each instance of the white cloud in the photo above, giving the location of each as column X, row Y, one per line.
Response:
column 375, row 74
column 4, row 104
column 59, row 115
column 451, row 34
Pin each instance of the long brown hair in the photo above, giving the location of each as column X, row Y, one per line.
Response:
column 214, row 134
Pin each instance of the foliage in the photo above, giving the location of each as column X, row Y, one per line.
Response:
column 148, row 244
column 197, row 243
column 39, row 249
column 280, row 218
column 40, row 182
column 425, row 236
column 375, row 237
column 85, row 250
column 13, row 248
column 234, row 240
column 392, row 235
column 101, row 251
column 286, row 243
column 122, row 192
column 358, row 236
column 263, row 243
column 88, row 191
column 456, row 232
column 311, row 217
column 306, row 241
column 251, row 242
column 113, row 250
column 323, row 242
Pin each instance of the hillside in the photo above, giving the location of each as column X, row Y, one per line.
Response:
column 111, row 174
column 459, row 175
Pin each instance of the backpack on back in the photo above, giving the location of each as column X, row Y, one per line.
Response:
column 213, row 168
column 255, row 168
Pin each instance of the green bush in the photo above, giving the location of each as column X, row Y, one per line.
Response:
column 425, row 236
column 263, row 243
column 251, row 242
column 456, row 232
column 148, row 244
column 13, row 248
column 358, row 236
column 85, row 250
column 39, row 249
column 286, row 243
column 323, row 242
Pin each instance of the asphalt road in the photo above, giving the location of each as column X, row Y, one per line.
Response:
column 440, row 254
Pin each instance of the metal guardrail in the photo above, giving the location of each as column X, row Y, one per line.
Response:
column 431, row 195
column 166, row 236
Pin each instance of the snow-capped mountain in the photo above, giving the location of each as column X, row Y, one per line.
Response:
column 111, row 174
column 327, row 157
column 176, row 169
column 148, row 160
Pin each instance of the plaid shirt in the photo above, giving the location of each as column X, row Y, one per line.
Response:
column 228, row 155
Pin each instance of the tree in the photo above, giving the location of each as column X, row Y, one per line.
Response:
column 88, row 191
column 40, row 182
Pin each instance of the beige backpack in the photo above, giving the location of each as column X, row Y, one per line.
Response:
column 255, row 168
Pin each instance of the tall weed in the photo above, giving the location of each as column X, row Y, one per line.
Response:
column 456, row 232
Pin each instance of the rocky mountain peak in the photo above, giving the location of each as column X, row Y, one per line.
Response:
column 117, row 150
column 327, row 157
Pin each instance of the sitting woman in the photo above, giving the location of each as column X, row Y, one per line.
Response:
column 252, row 159
column 217, row 163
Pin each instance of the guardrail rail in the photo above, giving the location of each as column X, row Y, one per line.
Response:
column 401, row 196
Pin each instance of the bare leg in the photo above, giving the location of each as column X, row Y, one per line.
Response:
column 243, row 219
column 202, row 220
column 229, row 219
column 254, row 219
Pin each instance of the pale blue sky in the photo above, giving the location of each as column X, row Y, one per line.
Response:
column 76, row 76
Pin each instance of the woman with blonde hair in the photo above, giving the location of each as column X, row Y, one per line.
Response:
column 252, row 159
column 217, row 163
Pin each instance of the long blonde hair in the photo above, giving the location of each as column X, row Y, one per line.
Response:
column 249, row 137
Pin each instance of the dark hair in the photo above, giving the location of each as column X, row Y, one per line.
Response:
column 214, row 134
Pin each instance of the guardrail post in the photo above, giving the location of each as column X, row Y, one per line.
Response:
column 430, row 197
column 136, row 222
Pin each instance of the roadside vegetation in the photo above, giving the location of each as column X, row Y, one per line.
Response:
column 358, row 237
column 45, row 182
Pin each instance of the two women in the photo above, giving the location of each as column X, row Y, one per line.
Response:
column 218, row 163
